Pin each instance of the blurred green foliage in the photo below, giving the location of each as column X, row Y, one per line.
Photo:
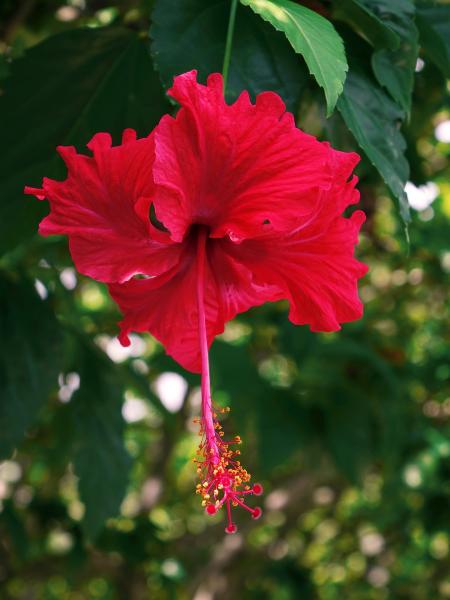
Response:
column 348, row 432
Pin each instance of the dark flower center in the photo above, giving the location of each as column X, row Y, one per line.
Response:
column 196, row 229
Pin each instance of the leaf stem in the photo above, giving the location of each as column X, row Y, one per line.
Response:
column 229, row 43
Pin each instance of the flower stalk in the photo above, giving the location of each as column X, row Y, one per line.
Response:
column 224, row 481
column 207, row 412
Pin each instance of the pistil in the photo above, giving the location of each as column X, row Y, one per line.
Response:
column 224, row 481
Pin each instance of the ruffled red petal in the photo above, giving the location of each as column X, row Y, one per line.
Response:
column 234, row 168
column 314, row 266
column 103, row 207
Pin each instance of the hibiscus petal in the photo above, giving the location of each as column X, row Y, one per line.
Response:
column 103, row 206
column 234, row 168
column 236, row 287
column 323, row 287
column 166, row 306
column 314, row 267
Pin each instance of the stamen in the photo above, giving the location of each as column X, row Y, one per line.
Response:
column 223, row 478
column 225, row 481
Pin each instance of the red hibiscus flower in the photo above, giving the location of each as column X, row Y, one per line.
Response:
column 219, row 209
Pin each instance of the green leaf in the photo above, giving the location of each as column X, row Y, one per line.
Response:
column 100, row 459
column 348, row 433
column 281, row 422
column 30, row 359
column 284, row 428
column 4, row 67
column 62, row 92
column 14, row 526
column 190, row 34
column 374, row 119
column 434, row 27
column 312, row 36
column 365, row 22
column 395, row 69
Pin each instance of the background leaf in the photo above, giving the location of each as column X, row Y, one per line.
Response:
column 279, row 437
column 257, row 48
column 374, row 119
column 77, row 83
column 348, row 433
column 366, row 22
column 394, row 69
column 433, row 22
column 100, row 459
column 313, row 37
column 31, row 354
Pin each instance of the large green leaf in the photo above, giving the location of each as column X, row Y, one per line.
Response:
column 312, row 36
column 190, row 34
column 434, row 26
column 366, row 22
column 62, row 92
column 356, row 399
column 374, row 119
column 281, row 422
column 395, row 69
column 30, row 359
column 100, row 459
